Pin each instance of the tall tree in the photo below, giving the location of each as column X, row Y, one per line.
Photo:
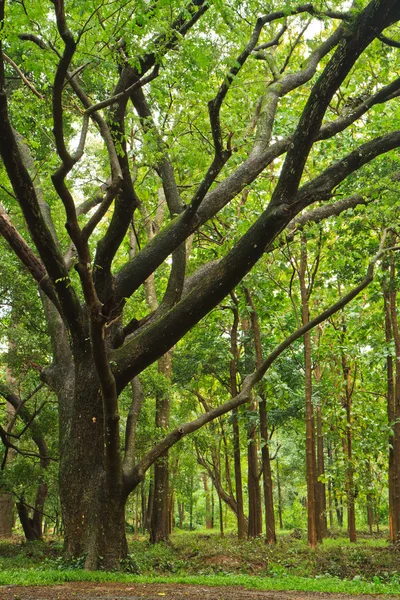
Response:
column 100, row 339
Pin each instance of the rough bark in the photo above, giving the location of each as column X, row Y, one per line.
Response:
column 6, row 515
column 92, row 501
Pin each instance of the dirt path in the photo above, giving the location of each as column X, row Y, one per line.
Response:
column 119, row 591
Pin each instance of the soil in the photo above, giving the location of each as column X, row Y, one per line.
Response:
column 118, row 591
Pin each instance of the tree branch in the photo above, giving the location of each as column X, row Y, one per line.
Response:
column 136, row 475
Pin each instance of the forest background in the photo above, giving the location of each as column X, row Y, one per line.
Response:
column 199, row 219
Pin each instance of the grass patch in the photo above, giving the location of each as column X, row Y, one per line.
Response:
column 369, row 567
column 326, row 584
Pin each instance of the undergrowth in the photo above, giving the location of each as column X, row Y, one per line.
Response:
column 369, row 566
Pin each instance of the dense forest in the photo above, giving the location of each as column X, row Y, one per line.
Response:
column 199, row 276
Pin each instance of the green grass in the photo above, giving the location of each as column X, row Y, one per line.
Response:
column 325, row 584
column 369, row 567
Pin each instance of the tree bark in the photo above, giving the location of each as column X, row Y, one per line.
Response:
column 159, row 529
column 313, row 513
column 270, row 534
column 208, row 501
column 93, row 502
column 321, row 488
column 348, row 438
column 393, row 373
column 6, row 515
column 241, row 521
column 280, row 504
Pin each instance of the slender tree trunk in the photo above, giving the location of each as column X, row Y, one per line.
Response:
column 253, row 485
column 270, row 534
column 241, row 521
column 191, row 504
column 370, row 513
column 181, row 511
column 221, row 518
column 208, row 501
column 150, row 503
column 212, row 505
column 171, row 512
column 393, row 396
column 278, row 485
column 314, row 535
column 348, row 449
column 159, row 529
column 321, row 488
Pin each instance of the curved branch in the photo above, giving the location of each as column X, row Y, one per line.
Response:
column 136, row 475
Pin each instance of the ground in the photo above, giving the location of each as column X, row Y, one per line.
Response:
column 119, row 591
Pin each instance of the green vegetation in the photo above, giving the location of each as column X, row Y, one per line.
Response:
column 199, row 289
column 370, row 566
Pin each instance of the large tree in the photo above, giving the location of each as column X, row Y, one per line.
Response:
column 127, row 86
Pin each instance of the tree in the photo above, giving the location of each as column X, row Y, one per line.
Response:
column 69, row 64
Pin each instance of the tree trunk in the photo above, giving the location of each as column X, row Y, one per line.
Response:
column 159, row 529
column 270, row 533
column 253, row 485
column 6, row 515
column 321, row 488
column 208, row 501
column 314, row 535
column 370, row 513
column 181, row 512
column 278, row 485
column 393, row 403
column 6, row 499
column 221, row 518
column 266, row 465
column 348, row 448
column 93, row 504
column 241, row 521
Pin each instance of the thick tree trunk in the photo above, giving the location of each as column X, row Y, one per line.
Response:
column 6, row 515
column 6, row 499
column 93, row 504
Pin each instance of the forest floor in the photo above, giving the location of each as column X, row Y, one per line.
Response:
column 192, row 562
column 118, row 591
